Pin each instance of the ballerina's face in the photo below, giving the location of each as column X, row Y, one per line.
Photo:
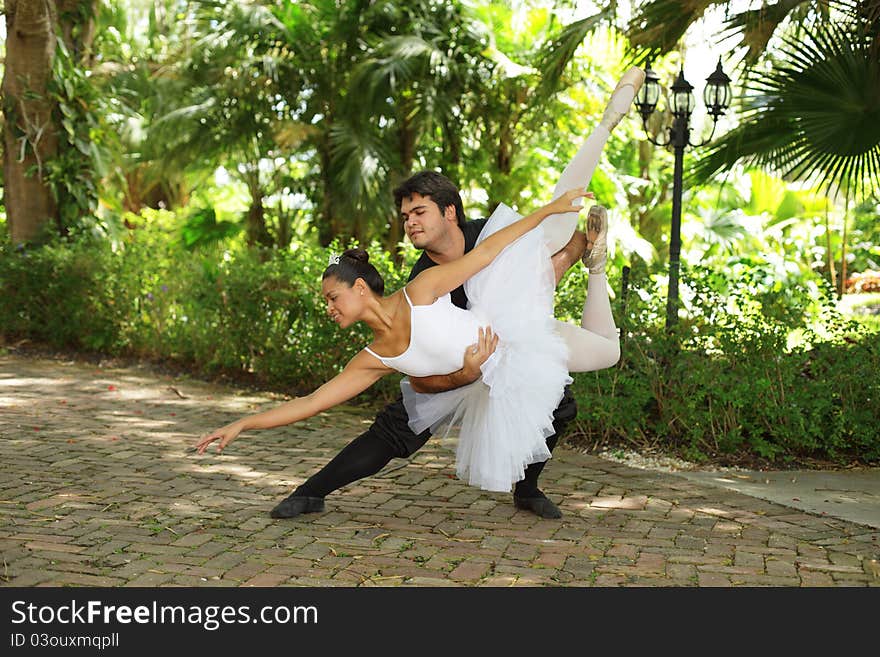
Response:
column 424, row 223
column 345, row 303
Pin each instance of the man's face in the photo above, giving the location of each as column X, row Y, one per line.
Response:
column 423, row 222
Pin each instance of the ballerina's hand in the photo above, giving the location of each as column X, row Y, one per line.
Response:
column 225, row 435
column 566, row 202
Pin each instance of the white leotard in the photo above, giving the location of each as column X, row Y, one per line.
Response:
column 439, row 335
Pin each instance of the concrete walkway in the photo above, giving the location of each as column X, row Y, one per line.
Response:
column 852, row 495
column 99, row 487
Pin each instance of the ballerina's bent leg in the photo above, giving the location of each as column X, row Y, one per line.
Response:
column 594, row 345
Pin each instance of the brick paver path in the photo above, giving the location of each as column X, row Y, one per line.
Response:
column 99, row 486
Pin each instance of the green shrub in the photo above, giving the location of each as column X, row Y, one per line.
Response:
column 219, row 311
column 58, row 295
column 727, row 381
column 754, row 367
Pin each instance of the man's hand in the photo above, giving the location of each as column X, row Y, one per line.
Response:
column 477, row 354
column 569, row 254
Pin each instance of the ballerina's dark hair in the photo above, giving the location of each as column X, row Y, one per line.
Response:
column 354, row 264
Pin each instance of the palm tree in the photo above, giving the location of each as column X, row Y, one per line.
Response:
column 415, row 83
column 41, row 144
column 30, row 133
column 815, row 116
column 521, row 115
column 349, row 91
column 658, row 26
column 137, row 69
column 231, row 101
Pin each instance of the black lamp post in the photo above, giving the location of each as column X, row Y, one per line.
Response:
column 716, row 96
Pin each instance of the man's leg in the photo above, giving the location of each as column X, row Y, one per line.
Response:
column 526, row 494
column 568, row 255
column 387, row 438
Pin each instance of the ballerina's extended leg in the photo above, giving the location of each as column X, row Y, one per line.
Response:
column 558, row 229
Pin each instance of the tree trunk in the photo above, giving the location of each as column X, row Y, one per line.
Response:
column 255, row 223
column 255, row 220
column 407, row 148
column 76, row 19
column 500, row 189
column 30, row 137
column 328, row 223
column 828, row 251
column 452, row 152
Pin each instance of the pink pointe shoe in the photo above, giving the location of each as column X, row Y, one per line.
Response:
column 622, row 97
column 597, row 224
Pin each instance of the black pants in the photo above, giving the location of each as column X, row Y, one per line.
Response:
column 390, row 437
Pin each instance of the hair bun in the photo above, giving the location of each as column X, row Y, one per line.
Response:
column 357, row 254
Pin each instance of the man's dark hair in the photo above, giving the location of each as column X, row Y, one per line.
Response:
column 437, row 187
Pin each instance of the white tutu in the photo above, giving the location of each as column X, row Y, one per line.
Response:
column 503, row 419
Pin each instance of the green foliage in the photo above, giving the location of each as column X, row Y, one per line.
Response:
column 86, row 143
column 864, row 240
column 219, row 311
column 203, row 228
column 731, row 381
column 48, row 296
column 801, row 119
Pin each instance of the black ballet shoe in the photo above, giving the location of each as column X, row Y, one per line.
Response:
column 595, row 256
column 540, row 506
column 292, row 506
column 618, row 107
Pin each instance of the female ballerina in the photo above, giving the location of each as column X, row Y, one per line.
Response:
column 505, row 416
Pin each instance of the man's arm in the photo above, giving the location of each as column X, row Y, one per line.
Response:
column 443, row 382
column 562, row 261
column 569, row 254
column 474, row 356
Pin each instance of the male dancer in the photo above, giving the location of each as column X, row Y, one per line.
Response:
column 433, row 215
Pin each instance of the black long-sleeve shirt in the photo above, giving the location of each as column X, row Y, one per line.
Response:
column 471, row 232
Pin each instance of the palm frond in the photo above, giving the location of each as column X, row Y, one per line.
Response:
column 659, row 25
column 757, row 26
column 396, row 63
column 723, row 228
column 290, row 135
column 814, row 118
column 555, row 57
column 358, row 168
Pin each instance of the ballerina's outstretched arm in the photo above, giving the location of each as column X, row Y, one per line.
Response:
column 361, row 372
column 433, row 283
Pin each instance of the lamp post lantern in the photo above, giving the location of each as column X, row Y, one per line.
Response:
column 716, row 96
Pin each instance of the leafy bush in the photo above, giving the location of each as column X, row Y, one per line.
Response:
column 731, row 380
column 219, row 311
column 756, row 366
